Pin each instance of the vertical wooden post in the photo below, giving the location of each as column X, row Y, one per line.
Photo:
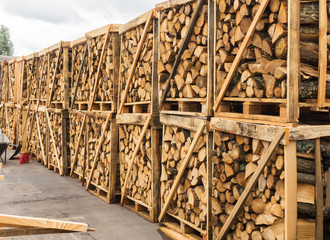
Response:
column 116, row 66
column 154, row 82
column 47, row 142
column 318, row 191
column 327, row 201
column 290, row 186
column 66, row 77
column 155, row 164
column 209, row 147
column 323, row 50
column 113, row 161
column 293, row 65
column 64, row 136
column 210, row 56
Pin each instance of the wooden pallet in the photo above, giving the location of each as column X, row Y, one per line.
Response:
column 138, row 207
column 137, row 107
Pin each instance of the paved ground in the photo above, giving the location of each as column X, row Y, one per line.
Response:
column 33, row 190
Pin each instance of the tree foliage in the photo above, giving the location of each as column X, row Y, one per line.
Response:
column 6, row 45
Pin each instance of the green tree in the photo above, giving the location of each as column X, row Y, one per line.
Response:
column 6, row 45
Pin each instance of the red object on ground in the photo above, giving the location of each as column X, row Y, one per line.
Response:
column 25, row 158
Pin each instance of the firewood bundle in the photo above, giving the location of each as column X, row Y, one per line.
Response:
column 10, row 128
column 43, row 76
column 56, row 127
column 3, row 119
column 32, row 80
column 105, row 88
column 140, row 179
column 4, row 80
column 190, row 80
column 33, row 139
column 100, row 175
column 262, row 71
column 83, row 88
column 42, row 120
column 140, row 87
column 190, row 201
column 59, row 77
column 235, row 161
column 11, row 87
column 75, row 127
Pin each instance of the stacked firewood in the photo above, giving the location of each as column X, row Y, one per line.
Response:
column 56, row 126
column 59, row 77
column 262, row 71
column 75, row 127
column 43, row 76
column 139, row 89
column 140, row 179
column 11, row 87
column 4, row 81
column 31, row 67
column 105, row 88
column 190, row 200
column 100, row 175
column 43, row 129
column 3, row 120
column 190, row 80
column 33, row 139
column 10, row 129
column 83, row 89
column 235, row 161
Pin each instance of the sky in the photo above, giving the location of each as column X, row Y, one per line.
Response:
column 37, row 24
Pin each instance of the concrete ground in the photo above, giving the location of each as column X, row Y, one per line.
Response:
column 33, row 190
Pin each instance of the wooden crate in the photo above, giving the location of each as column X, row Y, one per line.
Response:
column 4, row 82
column 138, row 86
column 57, row 148
column 267, row 180
column 185, row 176
column 139, row 142
column 55, row 71
column 43, row 78
column 32, row 76
column 8, row 82
column 95, row 66
column 270, row 80
column 185, row 77
column 10, row 112
column 94, row 152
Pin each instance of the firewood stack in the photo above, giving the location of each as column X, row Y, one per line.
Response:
column 5, row 82
column 235, row 161
column 190, row 80
column 58, row 94
column 42, row 120
column 139, row 182
column 141, row 83
column 43, row 76
column 189, row 202
column 262, row 70
column 12, row 73
column 32, row 77
column 56, row 127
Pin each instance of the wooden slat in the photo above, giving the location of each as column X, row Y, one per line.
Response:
column 290, row 189
column 54, row 77
column 182, row 48
column 318, row 191
column 254, row 178
column 19, row 221
column 181, row 172
column 54, row 145
column 238, row 57
column 293, row 65
column 78, row 77
column 28, row 231
column 96, row 156
column 136, row 59
column 323, row 53
column 136, row 150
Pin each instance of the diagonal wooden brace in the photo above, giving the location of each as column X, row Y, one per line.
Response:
column 136, row 150
column 98, row 150
column 244, row 45
column 40, row 141
column 136, row 58
column 54, row 146
column 181, row 172
column 254, row 178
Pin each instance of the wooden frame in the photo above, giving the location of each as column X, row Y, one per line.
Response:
column 147, row 20
column 146, row 122
column 200, row 128
column 108, row 194
column 201, row 106
column 83, row 74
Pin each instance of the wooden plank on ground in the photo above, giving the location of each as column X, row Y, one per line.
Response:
column 238, row 57
column 181, row 172
column 253, row 180
column 19, row 221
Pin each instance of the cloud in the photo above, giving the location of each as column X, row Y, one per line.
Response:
column 49, row 11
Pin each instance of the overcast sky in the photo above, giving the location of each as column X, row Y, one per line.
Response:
column 37, row 24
